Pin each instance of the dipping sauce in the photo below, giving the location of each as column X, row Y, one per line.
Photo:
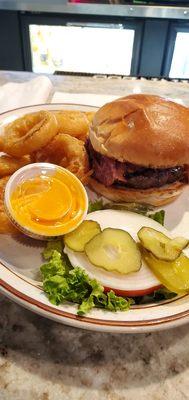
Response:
column 49, row 205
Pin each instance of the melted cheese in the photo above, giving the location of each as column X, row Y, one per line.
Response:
column 49, row 205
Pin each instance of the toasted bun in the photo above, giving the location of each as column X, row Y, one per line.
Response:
column 142, row 129
column 155, row 196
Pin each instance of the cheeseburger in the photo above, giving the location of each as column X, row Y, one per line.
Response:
column 138, row 148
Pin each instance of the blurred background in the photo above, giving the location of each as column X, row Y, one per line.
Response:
column 130, row 38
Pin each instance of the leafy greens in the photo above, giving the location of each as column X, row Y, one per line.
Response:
column 158, row 295
column 158, row 216
column 143, row 209
column 95, row 205
column 62, row 283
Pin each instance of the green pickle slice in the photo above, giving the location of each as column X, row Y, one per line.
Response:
column 77, row 239
column 114, row 250
column 174, row 275
column 160, row 245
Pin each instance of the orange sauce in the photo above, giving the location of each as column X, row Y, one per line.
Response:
column 49, row 205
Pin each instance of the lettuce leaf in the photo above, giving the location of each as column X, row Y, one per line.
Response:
column 163, row 294
column 50, row 247
column 158, row 295
column 158, row 216
column 86, row 306
column 95, row 205
column 134, row 207
column 116, row 303
column 56, row 287
column 55, row 266
column 138, row 208
column 62, row 282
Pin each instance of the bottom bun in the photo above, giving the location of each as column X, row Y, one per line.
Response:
column 154, row 196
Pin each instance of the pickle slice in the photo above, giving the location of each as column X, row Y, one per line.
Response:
column 77, row 239
column 160, row 245
column 174, row 275
column 114, row 250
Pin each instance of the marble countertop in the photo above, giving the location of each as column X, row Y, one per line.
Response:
column 114, row 85
column 43, row 360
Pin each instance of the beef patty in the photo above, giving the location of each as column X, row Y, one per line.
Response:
column 110, row 172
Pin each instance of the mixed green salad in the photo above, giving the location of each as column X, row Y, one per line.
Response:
column 62, row 282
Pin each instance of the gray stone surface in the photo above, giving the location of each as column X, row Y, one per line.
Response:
column 43, row 360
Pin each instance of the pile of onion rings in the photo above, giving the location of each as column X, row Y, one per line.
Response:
column 57, row 137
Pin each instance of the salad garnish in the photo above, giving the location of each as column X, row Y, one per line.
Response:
column 95, row 205
column 62, row 282
column 158, row 216
column 143, row 209
column 158, row 295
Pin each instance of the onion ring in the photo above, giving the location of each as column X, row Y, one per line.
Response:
column 8, row 164
column 3, row 183
column 29, row 133
column 5, row 224
column 90, row 115
column 68, row 152
column 74, row 123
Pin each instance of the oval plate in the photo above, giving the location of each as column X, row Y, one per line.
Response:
column 20, row 258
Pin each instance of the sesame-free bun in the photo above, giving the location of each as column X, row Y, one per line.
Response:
column 154, row 196
column 142, row 129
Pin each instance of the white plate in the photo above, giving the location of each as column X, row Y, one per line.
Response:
column 132, row 223
column 20, row 259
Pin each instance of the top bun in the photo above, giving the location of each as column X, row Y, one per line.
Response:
column 142, row 129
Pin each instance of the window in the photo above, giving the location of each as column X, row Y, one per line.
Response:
column 180, row 61
column 89, row 48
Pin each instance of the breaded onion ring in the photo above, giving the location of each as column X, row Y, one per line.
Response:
column 5, row 224
column 74, row 123
column 3, row 183
column 29, row 133
column 8, row 164
column 89, row 115
column 68, row 152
